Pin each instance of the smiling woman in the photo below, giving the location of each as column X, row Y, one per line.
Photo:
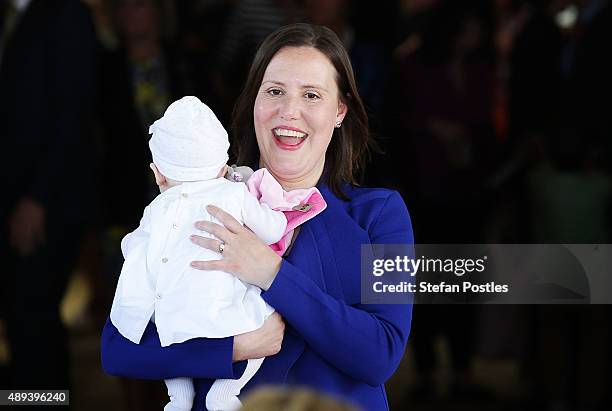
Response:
column 300, row 116
column 301, row 80
column 294, row 119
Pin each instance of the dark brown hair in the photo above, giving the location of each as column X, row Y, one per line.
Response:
column 350, row 146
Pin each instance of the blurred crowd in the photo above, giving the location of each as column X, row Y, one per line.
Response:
column 492, row 118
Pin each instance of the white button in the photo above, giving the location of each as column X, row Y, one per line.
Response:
column 184, row 195
column 175, row 226
column 164, row 260
column 158, row 296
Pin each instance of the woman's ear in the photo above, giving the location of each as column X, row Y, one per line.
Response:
column 160, row 179
column 342, row 110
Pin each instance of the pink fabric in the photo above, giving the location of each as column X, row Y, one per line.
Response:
column 268, row 191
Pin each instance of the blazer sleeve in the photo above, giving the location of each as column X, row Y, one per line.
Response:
column 365, row 341
column 195, row 358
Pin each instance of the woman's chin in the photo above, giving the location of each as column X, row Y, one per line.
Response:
column 286, row 169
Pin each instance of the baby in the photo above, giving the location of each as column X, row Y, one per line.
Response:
column 189, row 148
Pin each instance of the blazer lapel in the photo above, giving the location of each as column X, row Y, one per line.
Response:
column 339, row 244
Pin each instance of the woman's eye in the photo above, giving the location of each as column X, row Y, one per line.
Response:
column 312, row 96
column 275, row 92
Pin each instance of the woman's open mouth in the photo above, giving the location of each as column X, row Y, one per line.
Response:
column 289, row 138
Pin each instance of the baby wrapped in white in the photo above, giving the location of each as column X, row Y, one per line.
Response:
column 157, row 283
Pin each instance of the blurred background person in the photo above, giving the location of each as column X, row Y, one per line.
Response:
column 138, row 79
column 443, row 133
column 570, row 189
column 47, row 84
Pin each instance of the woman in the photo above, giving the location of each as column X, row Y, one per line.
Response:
column 300, row 116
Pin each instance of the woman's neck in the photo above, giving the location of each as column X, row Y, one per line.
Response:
column 289, row 184
column 295, row 182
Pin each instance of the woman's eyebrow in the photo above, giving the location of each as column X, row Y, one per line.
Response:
column 280, row 83
column 317, row 86
column 273, row 82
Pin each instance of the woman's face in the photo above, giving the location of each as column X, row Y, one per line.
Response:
column 295, row 112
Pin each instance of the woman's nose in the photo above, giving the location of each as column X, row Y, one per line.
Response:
column 290, row 109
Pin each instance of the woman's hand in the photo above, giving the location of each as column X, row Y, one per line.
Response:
column 244, row 255
column 263, row 342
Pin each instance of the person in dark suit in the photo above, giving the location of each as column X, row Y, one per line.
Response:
column 47, row 79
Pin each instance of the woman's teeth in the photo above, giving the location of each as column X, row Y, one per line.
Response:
column 281, row 132
column 289, row 137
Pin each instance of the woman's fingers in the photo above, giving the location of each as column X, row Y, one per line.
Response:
column 226, row 219
column 218, row 265
column 215, row 229
column 205, row 242
column 263, row 342
column 244, row 255
column 213, row 245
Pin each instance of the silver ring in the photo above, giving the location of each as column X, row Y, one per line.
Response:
column 221, row 247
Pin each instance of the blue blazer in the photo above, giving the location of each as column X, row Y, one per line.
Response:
column 333, row 343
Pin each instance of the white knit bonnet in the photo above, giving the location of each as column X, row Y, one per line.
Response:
column 189, row 143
